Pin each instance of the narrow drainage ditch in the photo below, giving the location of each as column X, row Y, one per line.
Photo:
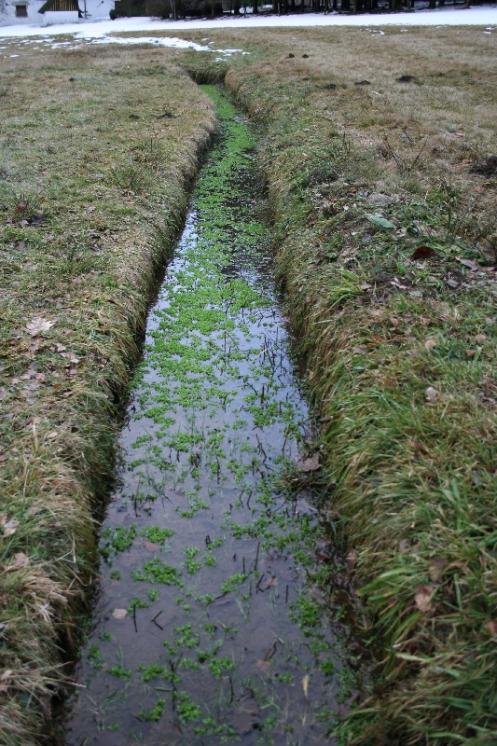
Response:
column 211, row 622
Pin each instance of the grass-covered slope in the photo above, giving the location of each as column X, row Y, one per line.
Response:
column 97, row 150
column 376, row 154
column 384, row 202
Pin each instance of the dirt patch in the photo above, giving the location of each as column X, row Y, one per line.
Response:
column 485, row 167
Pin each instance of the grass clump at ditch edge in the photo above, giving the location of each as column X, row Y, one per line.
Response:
column 388, row 259
column 92, row 193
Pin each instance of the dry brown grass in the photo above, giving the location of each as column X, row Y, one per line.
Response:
column 93, row 186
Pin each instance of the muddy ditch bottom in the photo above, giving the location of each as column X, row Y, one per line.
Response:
column 211, row 622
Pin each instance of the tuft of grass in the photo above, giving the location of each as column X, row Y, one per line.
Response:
column 92, row 192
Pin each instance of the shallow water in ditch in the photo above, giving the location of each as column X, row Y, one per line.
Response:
column 210, row 623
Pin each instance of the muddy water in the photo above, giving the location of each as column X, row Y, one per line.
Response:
column 210, row 624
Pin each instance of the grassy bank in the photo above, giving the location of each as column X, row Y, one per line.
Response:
column 97, row 150
column 384, row 201
column 376, row 156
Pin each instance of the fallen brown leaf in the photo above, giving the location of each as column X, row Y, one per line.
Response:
column 423, row 597
column 309, row 464
column 6, row 678
column 491, row 627
column 430, row 343
column 436, row 568
column 150, row 546
column 20, row 560
column 423, row 252
column 9, row 526
column 38, row 325
column 351, row 559
column 263, row 665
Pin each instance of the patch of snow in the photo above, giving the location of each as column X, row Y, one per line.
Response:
column 479, row 16
column 158, row 41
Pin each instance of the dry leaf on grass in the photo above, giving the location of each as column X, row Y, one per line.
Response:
column 20, row 560
column 430, row 343
column 436, row 568
column 431, row 394
column 351, row 559
column 38, row 325
column 6, row 678
column 491, row 627
column 9, row 526
column 423, row 597
column 309, row 464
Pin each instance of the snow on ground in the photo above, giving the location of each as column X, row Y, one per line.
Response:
column 100, row 30
column 167, row 41
column 84, row 37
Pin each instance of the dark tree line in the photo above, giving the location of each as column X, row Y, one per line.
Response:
column 181, row 8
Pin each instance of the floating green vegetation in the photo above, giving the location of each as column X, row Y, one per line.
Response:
column 154, row 714
column 186, row 708
column 95, row 656
column 120, row 672
column 117, row 540
column 157, row 571
column 220, row 666
column 156, row 534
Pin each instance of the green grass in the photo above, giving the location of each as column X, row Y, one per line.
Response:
column 400, row 344
column 92, row 192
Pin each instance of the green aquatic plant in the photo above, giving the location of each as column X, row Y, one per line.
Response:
column 95, row 656
column 120, row 672
column 117, row 540
column 220, row 666
column 158, row 572
column 186, row 708
column 157, row 534
column 154, row 714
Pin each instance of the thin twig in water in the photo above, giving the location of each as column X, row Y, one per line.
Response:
column 154, row 620
column 256, row 563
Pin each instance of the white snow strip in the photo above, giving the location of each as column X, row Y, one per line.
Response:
column 158, row 41
column 95, row 33
column 481, row 16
